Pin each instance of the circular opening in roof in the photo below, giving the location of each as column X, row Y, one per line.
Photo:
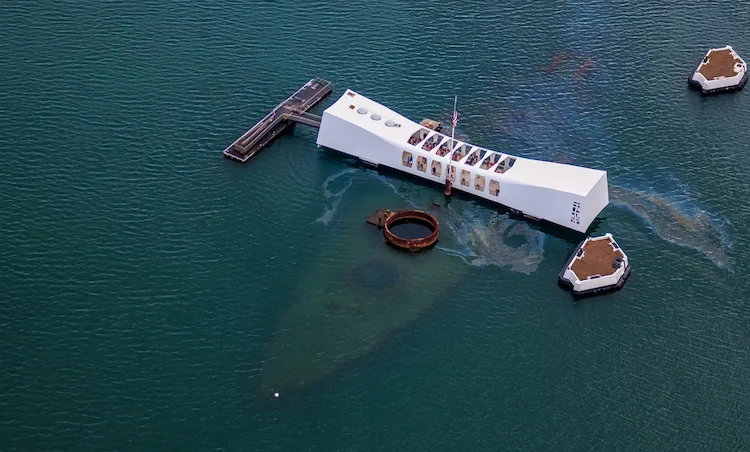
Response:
column 362, row 110
column 375, row 117
column 390, row 123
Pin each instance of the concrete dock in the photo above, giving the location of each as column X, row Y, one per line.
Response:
column 292, row 110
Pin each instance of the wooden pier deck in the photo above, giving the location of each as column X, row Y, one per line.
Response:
column 293, row 109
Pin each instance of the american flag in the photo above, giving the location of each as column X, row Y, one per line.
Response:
column 455, row 118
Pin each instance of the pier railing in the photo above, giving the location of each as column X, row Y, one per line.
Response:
column 292, row 110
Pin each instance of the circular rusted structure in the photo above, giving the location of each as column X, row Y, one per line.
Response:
column 411, row 216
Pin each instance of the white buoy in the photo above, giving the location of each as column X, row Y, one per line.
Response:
column 276, row 394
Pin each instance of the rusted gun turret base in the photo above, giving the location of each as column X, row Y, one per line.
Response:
column 386, row 218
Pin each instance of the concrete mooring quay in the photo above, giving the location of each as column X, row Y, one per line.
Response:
column 292, row 110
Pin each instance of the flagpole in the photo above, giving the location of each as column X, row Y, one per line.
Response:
column 453, row 145
column 453, row 129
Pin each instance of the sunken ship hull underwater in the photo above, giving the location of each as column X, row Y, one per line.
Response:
column 566, row 195
column 350, row 299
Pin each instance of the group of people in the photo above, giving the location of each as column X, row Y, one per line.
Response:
column 489, row 163
column 430, row 145
column 458, row 156
column 473, row 159
column 414, row 140
column 442, row 151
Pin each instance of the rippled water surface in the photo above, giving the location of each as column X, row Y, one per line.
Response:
column 148, row 284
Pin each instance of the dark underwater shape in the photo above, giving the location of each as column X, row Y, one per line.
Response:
column 354, row 294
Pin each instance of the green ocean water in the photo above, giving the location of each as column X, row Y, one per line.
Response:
column 144, row 278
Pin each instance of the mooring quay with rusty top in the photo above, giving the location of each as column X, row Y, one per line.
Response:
column 566, row 195
column 292, row 110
